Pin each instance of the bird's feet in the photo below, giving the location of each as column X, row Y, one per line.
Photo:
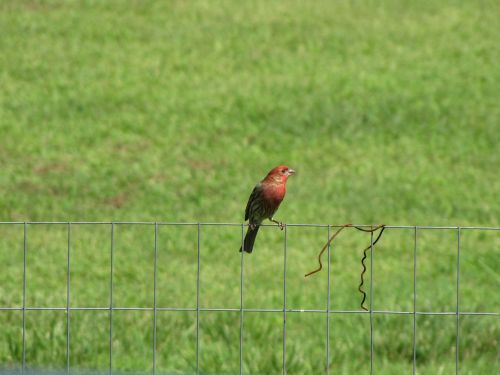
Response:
column 280, row 223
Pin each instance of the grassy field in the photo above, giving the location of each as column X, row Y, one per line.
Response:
column 172, row 111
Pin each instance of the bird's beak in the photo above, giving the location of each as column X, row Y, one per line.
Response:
column 291, row 171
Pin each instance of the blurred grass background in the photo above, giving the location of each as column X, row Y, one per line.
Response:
column 172, row 111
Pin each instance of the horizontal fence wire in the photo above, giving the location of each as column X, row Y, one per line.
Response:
column 222, row 309
column 241, row 310
column 160, row 223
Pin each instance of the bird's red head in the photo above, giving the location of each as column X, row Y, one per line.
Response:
column 279, row 174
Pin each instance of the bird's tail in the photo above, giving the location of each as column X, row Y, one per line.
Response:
column 250, row 239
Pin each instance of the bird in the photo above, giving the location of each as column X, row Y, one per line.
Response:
column 265, row 199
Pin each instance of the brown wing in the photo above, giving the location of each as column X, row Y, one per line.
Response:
column 259, row 207
column 253, row 197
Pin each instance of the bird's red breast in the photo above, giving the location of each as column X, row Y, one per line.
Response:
column 274, row 184
column 273, row 192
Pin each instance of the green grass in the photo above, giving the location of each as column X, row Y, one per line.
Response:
column 172, row 112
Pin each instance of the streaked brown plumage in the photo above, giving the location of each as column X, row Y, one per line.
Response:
column 264, row 201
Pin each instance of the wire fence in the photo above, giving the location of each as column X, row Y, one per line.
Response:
column 328, row 312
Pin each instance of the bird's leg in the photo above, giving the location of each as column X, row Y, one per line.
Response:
column 280, row 224
column 252, row 226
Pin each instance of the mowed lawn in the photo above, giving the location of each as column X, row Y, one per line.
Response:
column 172, row 111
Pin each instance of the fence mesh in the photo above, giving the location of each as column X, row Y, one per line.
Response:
column 329, row 313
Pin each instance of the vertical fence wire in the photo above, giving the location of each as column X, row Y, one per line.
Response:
column 25, row 249
column 457, row 354
column 68, row 302
column 328, row 308
column 241, row 295
column 371, row 303
column 198, row 303
column 111, row 298
column 415, row 301
column 154, row 296
column 284, row 302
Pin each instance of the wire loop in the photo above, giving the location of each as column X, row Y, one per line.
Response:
column 371, row 230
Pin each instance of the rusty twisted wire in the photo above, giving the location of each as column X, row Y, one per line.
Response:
column 371, row 230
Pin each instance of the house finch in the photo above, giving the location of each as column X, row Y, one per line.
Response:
column 264, row 201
